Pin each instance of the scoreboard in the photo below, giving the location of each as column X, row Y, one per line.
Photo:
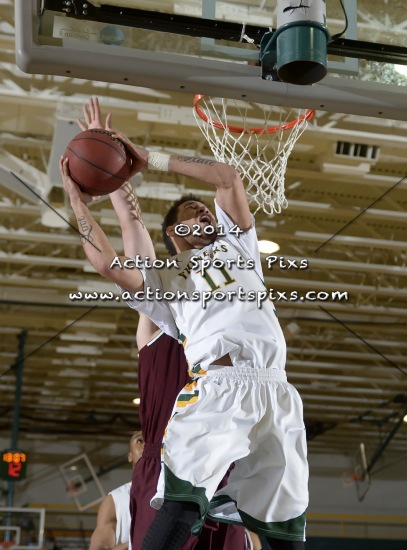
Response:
column 13, row 465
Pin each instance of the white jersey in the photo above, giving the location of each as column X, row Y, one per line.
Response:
column 121, row 498
column 217, row 309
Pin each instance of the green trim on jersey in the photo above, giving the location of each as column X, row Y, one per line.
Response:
column 188, row 396
column 196, row 369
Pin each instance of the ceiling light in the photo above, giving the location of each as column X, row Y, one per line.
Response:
column 268, row 247
column 294, row 185
column 293, row 327
column 136, row 400
column 405, row 418
column 402, row 69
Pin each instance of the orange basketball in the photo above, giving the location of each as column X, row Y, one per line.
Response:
column 98, row 162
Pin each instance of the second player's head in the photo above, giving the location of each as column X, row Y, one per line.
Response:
column 184, row 225
column 136, row 448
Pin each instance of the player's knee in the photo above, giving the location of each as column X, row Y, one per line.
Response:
column 171, row 526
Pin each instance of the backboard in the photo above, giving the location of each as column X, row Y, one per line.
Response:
column 82, row 483
column 23, row 526
column 211, row 47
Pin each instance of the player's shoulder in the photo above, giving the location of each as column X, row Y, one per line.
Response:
column 123, row 489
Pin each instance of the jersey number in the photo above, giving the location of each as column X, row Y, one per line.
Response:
column 228, row 279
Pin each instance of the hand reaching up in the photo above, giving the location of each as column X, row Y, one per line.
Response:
column 93, row 121
column 93, row 117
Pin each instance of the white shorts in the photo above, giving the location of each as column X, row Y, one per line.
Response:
column 252, row 417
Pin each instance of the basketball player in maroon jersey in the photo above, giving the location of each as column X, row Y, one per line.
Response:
column 163, row 372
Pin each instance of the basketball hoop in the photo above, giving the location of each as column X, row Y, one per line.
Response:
column 259, row 153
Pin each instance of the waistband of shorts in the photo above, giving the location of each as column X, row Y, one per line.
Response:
column 152, row 450
column 247, row 373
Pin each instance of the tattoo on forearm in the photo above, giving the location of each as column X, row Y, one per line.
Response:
column 197, row 161
column 86, row 230
column 131, row 199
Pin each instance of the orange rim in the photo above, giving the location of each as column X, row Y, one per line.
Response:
column 308, row 115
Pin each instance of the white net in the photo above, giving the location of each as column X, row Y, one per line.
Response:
column 257, row 140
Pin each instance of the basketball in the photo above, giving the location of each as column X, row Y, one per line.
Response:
column 98, row 162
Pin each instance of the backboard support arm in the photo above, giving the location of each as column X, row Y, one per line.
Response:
column 212, row 28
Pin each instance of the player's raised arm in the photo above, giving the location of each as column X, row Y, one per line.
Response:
column 230, row 191
column 136, row 239
column 96, row 245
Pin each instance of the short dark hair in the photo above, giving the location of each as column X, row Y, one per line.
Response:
column 171, row 217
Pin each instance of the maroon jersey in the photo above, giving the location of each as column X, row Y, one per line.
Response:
column 163, row 372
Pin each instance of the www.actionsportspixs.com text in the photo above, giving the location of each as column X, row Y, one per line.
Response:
column 205, row 296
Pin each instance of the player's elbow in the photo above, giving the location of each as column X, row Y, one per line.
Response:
column 109, row 266
column 103, row 267
column 126, row 277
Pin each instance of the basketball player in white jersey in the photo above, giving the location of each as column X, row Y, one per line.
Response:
column 240, row 407
column 113, row 519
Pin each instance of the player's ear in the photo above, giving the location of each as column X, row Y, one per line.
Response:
column 170, row 231
column 129, row 457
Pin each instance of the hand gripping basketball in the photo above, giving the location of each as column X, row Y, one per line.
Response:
column 98, row 162
column 139, row 155
column 74, row 191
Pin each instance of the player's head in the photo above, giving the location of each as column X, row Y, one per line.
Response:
column 192, row 212
column 136, row 447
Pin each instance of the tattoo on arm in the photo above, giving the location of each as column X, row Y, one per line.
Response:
column 197, row 161
column 86, row 230
column 132, row 201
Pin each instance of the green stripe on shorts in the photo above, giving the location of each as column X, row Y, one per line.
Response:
column 181, row 490
column 291, row 529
